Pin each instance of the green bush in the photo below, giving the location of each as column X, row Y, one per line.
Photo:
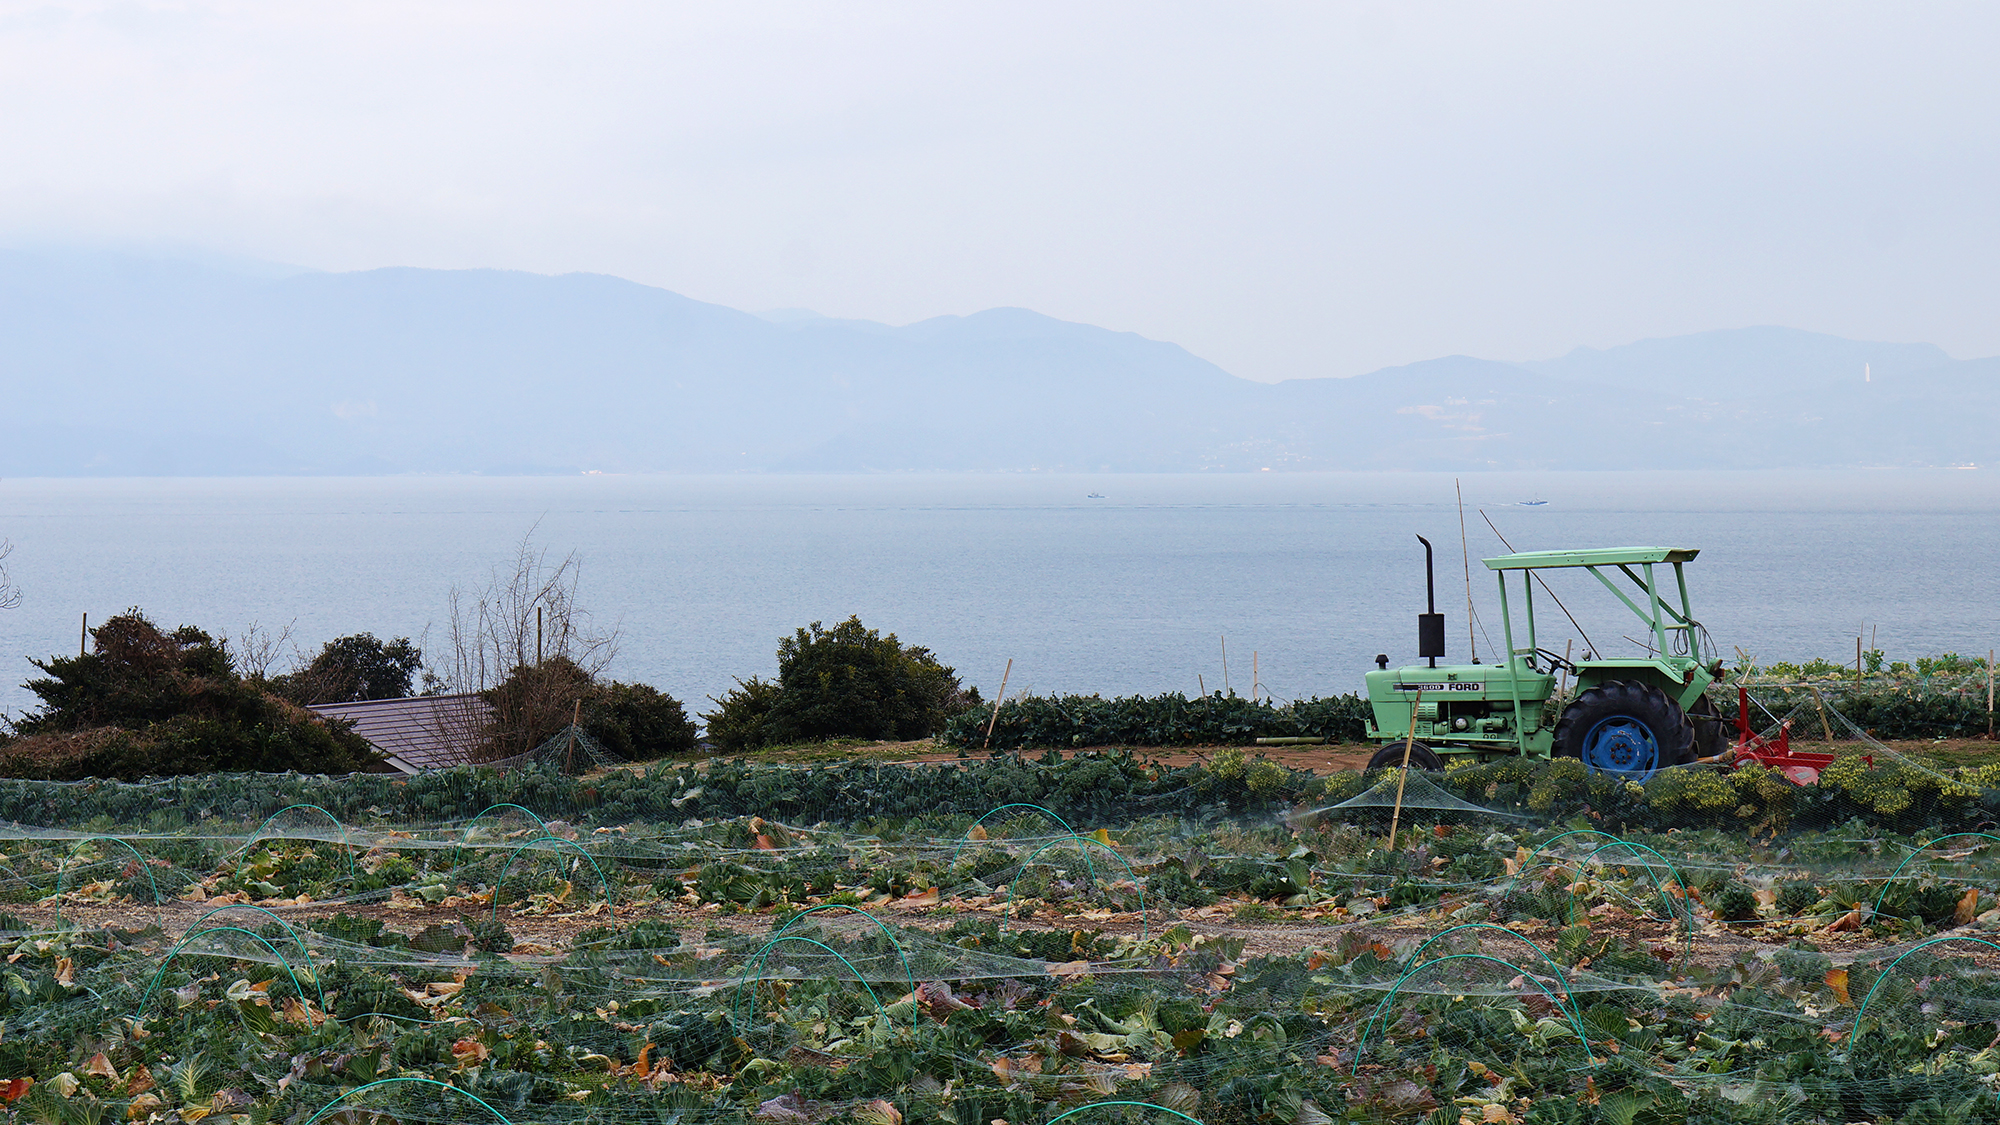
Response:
column 145, row 703
column 741, row 721
column 353, row 668
column 638, row 722
column 845, row 682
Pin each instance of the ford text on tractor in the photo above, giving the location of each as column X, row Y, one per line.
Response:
column 1627, row 716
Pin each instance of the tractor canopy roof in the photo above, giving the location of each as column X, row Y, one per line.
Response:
column 1595, row 556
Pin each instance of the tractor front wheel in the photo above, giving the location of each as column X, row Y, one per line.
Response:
column 1391, row 756
column 1625, row 728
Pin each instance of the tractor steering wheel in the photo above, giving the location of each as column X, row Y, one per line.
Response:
column 1556, row 660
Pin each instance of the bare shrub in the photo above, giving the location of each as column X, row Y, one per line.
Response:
column 10, row 594
column 256, row 649
column 526, row 619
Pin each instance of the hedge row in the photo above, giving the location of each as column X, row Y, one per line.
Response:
column 1883, row 707
column 1039, row 722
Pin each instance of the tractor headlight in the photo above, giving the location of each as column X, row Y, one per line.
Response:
column 1461, row 723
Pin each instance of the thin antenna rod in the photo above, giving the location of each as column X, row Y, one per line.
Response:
column 1589, row 645
column 1465, row 549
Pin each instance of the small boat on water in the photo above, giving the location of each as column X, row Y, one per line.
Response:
column 1095, row 496
column 1531, row 503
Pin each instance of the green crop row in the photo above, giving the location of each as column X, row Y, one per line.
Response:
column 1891, row 793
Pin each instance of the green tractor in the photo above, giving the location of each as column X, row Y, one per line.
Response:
column 1626, row 717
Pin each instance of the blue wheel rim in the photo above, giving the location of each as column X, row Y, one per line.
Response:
column 1622, row 745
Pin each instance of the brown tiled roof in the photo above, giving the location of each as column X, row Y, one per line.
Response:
column 422, row 732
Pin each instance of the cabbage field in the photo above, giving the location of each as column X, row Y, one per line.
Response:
column 1005, row 940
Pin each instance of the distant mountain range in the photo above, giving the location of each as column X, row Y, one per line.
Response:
column 115, row 364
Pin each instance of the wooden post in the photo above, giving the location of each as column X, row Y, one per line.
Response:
column 1564, row 689
column 1408, row 741
column 538, row 636
column 996, row 704
column 1857, row 658
column 1989, row 695
column 83, row 642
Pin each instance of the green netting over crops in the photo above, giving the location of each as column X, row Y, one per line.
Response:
column 1010, row 940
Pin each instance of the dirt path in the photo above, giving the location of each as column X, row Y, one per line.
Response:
column 536, row 936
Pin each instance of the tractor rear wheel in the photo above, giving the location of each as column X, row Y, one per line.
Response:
column 1627, row 728
column 1711, row 732
column 1391, row 756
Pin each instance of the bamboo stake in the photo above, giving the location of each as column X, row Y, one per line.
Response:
column 569, row 755
column 1989, row 695
column 83, row 642
column 1409, row 740
column 996, row 704
column 1225, row 665
column 1253, row 675
column 1564, row 689
column 1823, row 724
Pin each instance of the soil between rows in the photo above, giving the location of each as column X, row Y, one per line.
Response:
column 551, row 935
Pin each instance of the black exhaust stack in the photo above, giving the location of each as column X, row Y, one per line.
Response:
column 1430, row 626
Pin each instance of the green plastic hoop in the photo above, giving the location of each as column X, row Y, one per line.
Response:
column 1083, row 840
column 879, row 924
column 1687, row 936
column 1908, row 859
column 62, row 872
column 146, row 1000
column 962, row 840
column 609, row 898
column 1567, row 1009
column 345, row 841
column 1136, row 1105
column 736, row 1000
column 328, row 1107
column 1855, row 1032
column 1555, row 968
column 539, row 823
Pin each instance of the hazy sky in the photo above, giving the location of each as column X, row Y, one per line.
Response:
column 1290, row 190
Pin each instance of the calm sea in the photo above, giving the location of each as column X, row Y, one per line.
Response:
column 1131, row 591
